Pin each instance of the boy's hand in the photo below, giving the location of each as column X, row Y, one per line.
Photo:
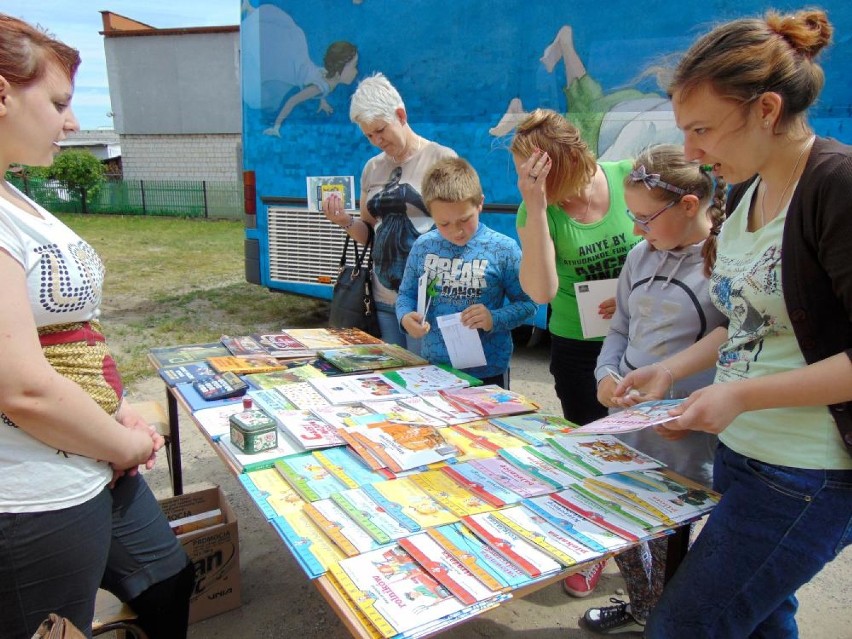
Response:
column 477, row 316
column 414, row 325
column 606, row 388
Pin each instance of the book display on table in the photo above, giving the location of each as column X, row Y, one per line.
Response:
column 490, row 400
column 601, row 454
column 243, row 346
column 282, row 345
column 273, row 379
column 247, row 364
column 370, row 357
column 372, row 516
column 191, row 353
column 534, row 428
column 345, row 532
column 186, row 373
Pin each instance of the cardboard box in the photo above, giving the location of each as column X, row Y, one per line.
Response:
column 215, row 552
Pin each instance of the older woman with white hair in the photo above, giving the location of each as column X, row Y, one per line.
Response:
column 390, row 194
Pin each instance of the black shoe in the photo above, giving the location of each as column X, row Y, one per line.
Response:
column 612, row 620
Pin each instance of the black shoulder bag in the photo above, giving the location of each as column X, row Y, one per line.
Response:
column 352, row 304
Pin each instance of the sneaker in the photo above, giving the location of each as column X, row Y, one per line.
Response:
column 612, row 620
column 581, row 584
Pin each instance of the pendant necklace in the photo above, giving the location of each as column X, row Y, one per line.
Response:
column 786, row 186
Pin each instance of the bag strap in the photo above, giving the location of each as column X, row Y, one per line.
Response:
column 359, row 256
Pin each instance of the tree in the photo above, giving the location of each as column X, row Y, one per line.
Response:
column 78, row 171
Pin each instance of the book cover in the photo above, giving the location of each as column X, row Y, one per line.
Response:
column 243, row 346
column 240, row 365
column 364, row 453
column 270, row 492
column 620, row 507
column 346, row 466
column 353, row 336
column 589, row 295
column 339, row 416
column 273, row 379
column 481, row 484
column 490, row 400
column 186, row 354
column 363, row 358
column 422, row 379
column 244, row 462
column 534, row 428
column 320, row 187
column 352, row 389
column 396, row 412
column 511, row 477
column 497, row 534
column 525, row 459
column 186, row 373
column 302, row 395
column 342, row 597
column 576, row 526
column 308, row 477
column 651, row 413
column 547, row 537
column 308, row 544
column 468, row 448
column 282, row 345
column 599, row 514
column 554, row 458
column 415, row 504
column 450, row 494
column 433, row 405
column 447, row 569
column 390, row 584
column 215, row 421
column 270, row 400
column 489, row 566
column 402, row 447
column 487, row 435
column 307, row 429
column 316, row 338
column 368, row 514
column 602, row 454
column 340, row 528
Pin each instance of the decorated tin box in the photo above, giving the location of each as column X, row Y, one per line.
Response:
column 253, row 431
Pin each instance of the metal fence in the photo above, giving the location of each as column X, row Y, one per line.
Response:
column 141, row 197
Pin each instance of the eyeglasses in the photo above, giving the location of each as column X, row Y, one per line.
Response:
column 645, row 224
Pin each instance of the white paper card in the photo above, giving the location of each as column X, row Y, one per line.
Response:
column 422, row 283
column 321, row 186
column 589, row 297
column 463, row 344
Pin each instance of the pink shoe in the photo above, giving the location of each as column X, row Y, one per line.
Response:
column 581, row 584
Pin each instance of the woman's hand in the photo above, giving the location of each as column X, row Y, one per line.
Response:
column 606, row 390
column 415, row 325
column 532, row 180
column 334, row 211
column 710, row 409
column 477, row 316
column 643, row 384
column 606, row 309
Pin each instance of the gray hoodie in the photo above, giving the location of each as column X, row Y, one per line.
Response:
column 662, row 307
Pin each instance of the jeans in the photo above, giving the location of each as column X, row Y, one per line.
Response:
column 572, row 364
column 392, row 333
column 774, row 529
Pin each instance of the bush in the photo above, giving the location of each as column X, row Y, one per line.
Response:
column 78, row 171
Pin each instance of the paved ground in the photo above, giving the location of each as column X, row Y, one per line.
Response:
column 279, row 601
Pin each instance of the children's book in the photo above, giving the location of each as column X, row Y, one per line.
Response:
column 243, row 346
column 434, row 405
column 289, row 375
column 352, row 389
column 240, row 365
column 487, row 435
column 307, row 429
column 402, row 447
column 270, row 492
column 353, row 336
column 186, row 373
column 245, row 462
column 370, row 516
column 340, row 528
column 468, row 448
column 394, row 591
column 270, row 400
column 581, row 529
column 481, row 484
column 415, row 504
column 526, row 459
column 341, row 416
column 316, row 338
column 651, row 413
column 308, row 477
column 447, row 569
column 658, row 493
column 452, row 495
column 596, row 513
column 513, row 478
column 534, row 428
column 627, row 516
column 215, row 421
column 307, row 542
column 547, row 537
column 369, row 357
column 320, row 187
column 282, row 345
column 302, row 395
column 344, row 599
column 496, row 533
column 188, row 354
column 462, row 543
column 346, row 466
column 602, row 454
column 422, row 379
column 396, row 412
column 489, row 400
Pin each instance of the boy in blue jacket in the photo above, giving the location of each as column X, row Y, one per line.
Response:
column 471, row 269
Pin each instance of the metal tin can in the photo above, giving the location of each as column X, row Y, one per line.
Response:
column 253, row 431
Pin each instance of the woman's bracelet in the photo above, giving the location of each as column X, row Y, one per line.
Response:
column 349, row 224
column 671, row 378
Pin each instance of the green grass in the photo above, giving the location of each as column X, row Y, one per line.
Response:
column 180, row 281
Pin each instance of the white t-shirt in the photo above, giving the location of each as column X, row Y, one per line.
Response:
column 64, row 283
